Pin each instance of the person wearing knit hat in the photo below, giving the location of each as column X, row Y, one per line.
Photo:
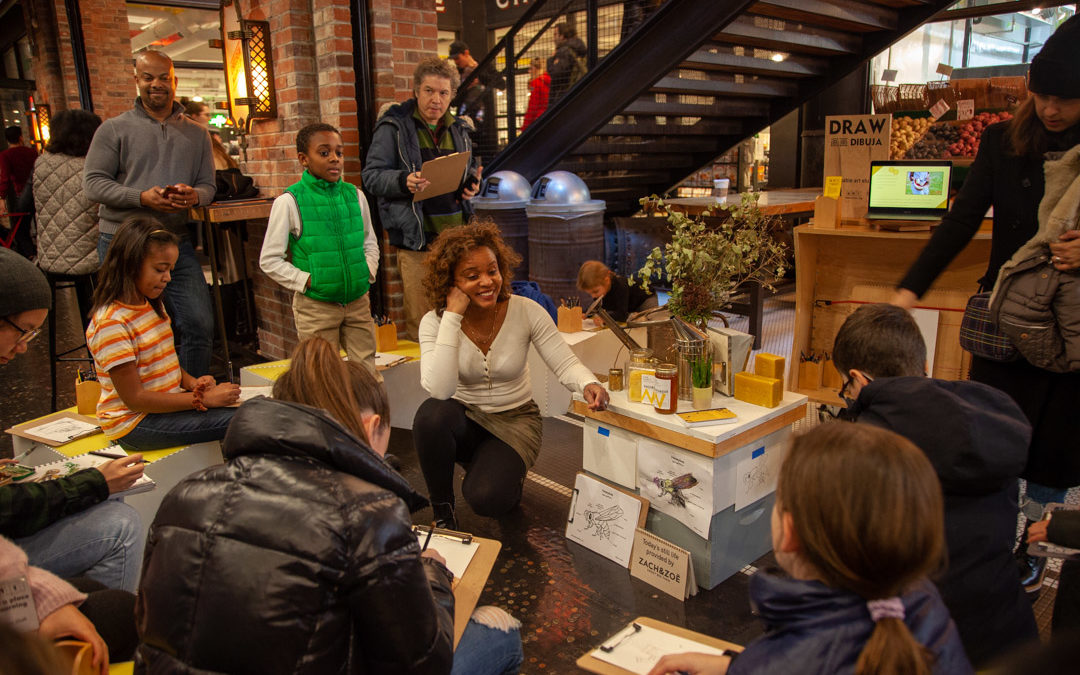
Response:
column 1010, row 174
column 25, row 299
column 1053, row 71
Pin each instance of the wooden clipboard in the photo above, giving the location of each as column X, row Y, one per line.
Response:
column 594, row 665
column 467, row 591
column 20, row 429
column 445, row 174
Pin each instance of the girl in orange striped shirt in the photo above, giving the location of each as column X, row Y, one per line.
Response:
column 147, row 400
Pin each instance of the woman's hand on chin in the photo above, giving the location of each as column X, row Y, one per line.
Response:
column 457, row 301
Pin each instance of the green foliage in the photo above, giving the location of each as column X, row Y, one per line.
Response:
column 701, row 371
column 706, row 264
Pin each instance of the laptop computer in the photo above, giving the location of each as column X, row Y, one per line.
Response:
column 909, row 189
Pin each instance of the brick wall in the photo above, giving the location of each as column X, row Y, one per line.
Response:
column 315, row 81
column 108, row 54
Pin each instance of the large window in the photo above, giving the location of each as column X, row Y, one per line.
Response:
column 1007, row 39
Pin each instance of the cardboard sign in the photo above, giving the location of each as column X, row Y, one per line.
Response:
column 889, row 75
column 851, row 143
column 965, row 109
column 662, row 565
column 944, row 69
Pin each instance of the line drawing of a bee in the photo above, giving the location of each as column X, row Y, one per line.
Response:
column 600, row 520
column 674, row 487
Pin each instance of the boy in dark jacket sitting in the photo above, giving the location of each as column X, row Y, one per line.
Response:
column 976, row 437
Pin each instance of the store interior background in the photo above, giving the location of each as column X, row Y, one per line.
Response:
column 567, row 599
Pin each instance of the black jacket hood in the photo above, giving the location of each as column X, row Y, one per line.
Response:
column 975, row 436
column 264, row 426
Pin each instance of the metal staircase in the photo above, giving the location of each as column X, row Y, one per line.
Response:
column 695, row 79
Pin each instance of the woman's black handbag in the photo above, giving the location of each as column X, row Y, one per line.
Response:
column 981, row 336
column 231, row 184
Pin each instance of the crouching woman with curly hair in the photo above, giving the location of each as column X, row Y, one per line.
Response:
column 473, row 351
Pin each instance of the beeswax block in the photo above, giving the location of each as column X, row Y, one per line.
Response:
column 759, row 390
column 386, row 337
column 770, row 365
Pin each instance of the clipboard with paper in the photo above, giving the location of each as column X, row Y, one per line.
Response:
column 445, row 174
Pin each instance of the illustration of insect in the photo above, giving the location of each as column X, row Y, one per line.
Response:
column 675, row 486
column 600, row 520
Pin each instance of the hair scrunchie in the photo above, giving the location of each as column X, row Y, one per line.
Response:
column 886, row 608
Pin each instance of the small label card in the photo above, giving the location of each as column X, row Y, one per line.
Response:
column 17, row 604
column 944, row 69
column 663, row 565
column 939, row 109
column 889, row 75
column 965, row 109
column 832, row 186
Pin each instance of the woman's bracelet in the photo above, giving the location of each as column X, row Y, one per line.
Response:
column 197, row 397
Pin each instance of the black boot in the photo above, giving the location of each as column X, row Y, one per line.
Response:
column 444, row 516
column 1032, row 569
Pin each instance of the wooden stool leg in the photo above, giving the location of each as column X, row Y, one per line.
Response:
column 52, row 347
column 757, row 311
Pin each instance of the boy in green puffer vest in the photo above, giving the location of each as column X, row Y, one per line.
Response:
column 320, row 244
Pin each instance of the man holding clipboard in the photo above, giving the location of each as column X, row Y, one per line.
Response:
column 418, row 199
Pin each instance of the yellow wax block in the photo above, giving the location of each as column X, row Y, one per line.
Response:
column 770, row 365
column 759, row 390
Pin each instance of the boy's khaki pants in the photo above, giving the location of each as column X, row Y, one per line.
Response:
column 349, row 326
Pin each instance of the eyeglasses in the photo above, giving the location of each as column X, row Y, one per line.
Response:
column 25, row 335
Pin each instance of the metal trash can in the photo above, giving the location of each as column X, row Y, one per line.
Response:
column 502, row 198
column 566, row 228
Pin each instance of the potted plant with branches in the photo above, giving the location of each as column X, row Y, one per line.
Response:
column 709, row 258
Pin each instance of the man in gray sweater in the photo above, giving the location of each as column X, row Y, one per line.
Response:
column 154, row 161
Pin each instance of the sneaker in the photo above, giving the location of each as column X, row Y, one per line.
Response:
column 444, row 516
column 1032, row 571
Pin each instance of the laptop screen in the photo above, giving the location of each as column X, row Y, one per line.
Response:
column 901, row 188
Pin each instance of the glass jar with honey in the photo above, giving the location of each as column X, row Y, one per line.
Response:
column 666, row 388
column 641, row 363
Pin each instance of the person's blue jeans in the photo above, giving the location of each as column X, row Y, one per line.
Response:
column 487, row 651
column 187, row 300
column 104, row 542
column 158, row 431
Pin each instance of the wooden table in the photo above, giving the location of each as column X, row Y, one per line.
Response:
column 838, row 269
column 223, row 214
column 738, row 533
column 793, row 202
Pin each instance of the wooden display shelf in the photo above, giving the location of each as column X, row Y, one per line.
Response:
column 838, row 269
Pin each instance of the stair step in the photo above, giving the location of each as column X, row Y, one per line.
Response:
column 786, row 36
column 840, row 14
column 630, row 193
column 596, row 147
column 646, row 126
column 793, row 66
column 723, row 108
column 759, row 87
column 630, row 162
column 602, row 182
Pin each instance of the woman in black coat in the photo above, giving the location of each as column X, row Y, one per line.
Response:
column 297, row 555
column 1008, row 175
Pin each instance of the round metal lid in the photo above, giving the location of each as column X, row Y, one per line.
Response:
column 562, row 192
column 503, row 190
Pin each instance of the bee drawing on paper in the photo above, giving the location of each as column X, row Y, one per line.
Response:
column 600, row 519
column 675, row 486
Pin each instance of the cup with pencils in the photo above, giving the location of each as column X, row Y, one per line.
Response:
column 87, row 392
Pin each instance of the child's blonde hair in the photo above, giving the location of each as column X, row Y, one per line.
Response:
column 867, row 511
column 591, row 274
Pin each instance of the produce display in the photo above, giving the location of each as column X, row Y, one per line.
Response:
column 921, row 138
column 905, row 132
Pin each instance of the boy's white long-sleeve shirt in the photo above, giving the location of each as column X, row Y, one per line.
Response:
column 285, row 220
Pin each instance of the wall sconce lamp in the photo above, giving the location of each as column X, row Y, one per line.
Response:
column 40, row 117
column 249, row 71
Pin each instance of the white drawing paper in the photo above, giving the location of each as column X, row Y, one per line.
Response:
column 603, row 519
column 756, row 475
column 458, row 554
column 249, row 392
column 677, row 482
column 927, row 321
column 639, row 650
column 63, row 430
